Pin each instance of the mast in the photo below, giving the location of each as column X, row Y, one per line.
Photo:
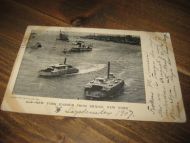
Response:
column 60, row 35
column 65, row 60
column 108, row 74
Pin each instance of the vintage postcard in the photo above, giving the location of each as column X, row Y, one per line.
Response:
column 96, row 73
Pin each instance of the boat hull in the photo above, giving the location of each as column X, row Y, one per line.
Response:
column 58, row 73
column 99, row 93
column 80, row 49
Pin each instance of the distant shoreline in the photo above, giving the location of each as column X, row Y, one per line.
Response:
column 128, row 39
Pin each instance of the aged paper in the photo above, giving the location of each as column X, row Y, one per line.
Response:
column 96, row 73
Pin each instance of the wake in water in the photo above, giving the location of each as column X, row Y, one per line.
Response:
column 86, row 68
column 128, row 81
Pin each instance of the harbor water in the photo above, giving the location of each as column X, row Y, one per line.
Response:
column 125, row 59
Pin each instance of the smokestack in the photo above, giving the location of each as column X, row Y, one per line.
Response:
column 108, row 70
column 65, row 60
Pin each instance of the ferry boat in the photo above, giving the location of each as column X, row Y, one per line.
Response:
column 58, row 70
column 103, row 88
column 80, row 46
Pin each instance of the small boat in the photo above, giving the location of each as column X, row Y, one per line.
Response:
column 80, row 46
column 36, row 46
column 63, row 36
column 104, row 88
column 58, row 70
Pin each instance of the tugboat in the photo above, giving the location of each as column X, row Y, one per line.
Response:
column 81, row 47
column 104, row 88
column 63, row 36
column 58, row 70
column 36, row 46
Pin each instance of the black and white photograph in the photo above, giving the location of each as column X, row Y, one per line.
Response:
column 95, row 73
column 82, row 66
